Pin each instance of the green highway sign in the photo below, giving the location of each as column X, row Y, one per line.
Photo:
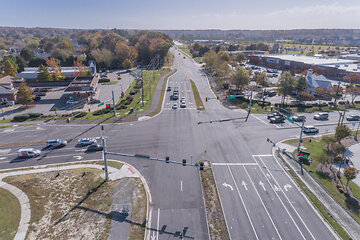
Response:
column 231, row 96
column 290, row 120
column 100, row 104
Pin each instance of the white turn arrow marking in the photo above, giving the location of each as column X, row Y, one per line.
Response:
column 153, row 236
column 9, row 130
column 2, row 158
column 287, row 187
column 228, row 185
column 268, row 175
column 244, row 184
column 276, row 188
column 78, row 157
column 39, row 128
column 262, row 184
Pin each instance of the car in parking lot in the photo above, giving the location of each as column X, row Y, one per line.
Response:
column 119, row 77
column 272, row 115
column 277, row 119
column 86, row 141
column 310, row 129
column 71, row 101
column 37, row 98
column 28, row 152
column 174, row 106
column 94, row 100
column 94, row 147
column 353, row 118
column 298, row 118
column 321, row 116
column 56, row 143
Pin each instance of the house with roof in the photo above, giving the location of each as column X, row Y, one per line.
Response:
column 7, row 90
column 317, row 81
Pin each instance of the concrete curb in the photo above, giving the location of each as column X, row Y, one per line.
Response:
column 24, row 200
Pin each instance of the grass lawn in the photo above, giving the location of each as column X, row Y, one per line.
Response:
column 109, row 83
column 6, row 126
column 185, row 49
column 316, row 148
column 9, row 214
column 198, row 100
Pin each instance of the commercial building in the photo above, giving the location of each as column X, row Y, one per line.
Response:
column 334, row 68
column 7, row 90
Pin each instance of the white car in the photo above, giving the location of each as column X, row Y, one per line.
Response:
column 310, row 129
column 56, row 143
column 86, row 141
column 28, row 152
column 183, row 104
column 175, row 106
column 321, row 116
column 71, row 102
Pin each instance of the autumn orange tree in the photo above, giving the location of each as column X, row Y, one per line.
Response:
column 350, row 174
column 80, row 69
column 354, row 92
column 55, row 70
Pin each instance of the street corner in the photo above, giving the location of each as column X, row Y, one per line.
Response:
column 124, row 172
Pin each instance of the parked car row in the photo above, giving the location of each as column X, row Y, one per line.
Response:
column 90, row 143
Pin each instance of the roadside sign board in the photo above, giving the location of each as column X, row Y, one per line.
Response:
column 290, row 120
column 231, row 96
column 100, row 104
column 303, row 154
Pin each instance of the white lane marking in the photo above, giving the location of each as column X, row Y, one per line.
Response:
column 262, row 185
column 267, row 212
column 181, row 185
column 287, row 187
column 78, row 157
column 244, row 185
column 242, row 201
column 275, row 190
column 260, row 119
column 228, row 186
column 263, row 155
column 234, row 164
column 158, row 224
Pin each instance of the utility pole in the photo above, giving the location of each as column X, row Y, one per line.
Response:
column 249, row 106
column 142, row 87
column 105, row 159
column 300, row 140
column 357, row 132
column 113, row 100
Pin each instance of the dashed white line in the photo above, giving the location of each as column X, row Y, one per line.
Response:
column 235, row 164
column 259, row 119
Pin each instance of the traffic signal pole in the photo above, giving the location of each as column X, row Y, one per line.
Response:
column 300, row 139
column 113, row 100
column 105, row 159
column 249, row 105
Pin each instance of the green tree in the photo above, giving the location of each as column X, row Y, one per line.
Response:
column 261, row 80
column 240, row 57
column 9, row 68
column 127, row 64
column 322, row 93
column 43, row 74
column 350, row 174
column 240, row 78
column 210, row 58
column 354, row 93
column 224, row 56
column 301, row 84
column 27, row 54
column 24, row 95
column 286, row 85
column 341, row 132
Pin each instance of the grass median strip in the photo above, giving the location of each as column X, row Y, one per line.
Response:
column 214, row 213
column 198, row 100
column 9, row 214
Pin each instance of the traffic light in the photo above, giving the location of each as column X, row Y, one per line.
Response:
column 167, row 159
column 226, row 97
column 108, row 105
column 201, row 165
column 206, row 99
column 184, row 162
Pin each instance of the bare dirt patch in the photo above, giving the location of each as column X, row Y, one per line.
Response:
column 69, row 204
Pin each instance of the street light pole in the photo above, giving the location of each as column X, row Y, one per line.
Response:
column 113, row 100
column 357, row 131
column 105, row 159
column 249, row 105
column 300, row 139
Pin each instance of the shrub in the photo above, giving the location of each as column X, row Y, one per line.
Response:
column 338, row 185
column 21, row 118
column 341, row 190
column 79, row 114
column 104, row 80
column 102, row 111
column 134, row 91
column 35, row 115
column 119, row 107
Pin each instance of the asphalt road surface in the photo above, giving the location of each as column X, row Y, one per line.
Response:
column 259, row 198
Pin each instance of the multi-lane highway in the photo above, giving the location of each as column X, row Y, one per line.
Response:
column 259, row 199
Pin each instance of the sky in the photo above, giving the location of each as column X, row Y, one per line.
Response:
column 184, row 14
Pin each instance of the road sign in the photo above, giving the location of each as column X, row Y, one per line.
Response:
column 100, row 104
column 303, row 154
column 231, row 96
column 290, row 120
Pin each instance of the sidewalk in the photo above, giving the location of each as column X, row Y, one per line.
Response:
column 126, row 171
column 332, row 206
